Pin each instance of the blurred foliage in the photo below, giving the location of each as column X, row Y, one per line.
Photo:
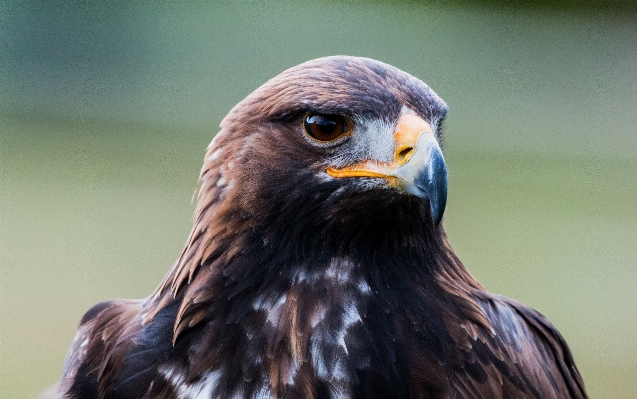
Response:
column 106, row 109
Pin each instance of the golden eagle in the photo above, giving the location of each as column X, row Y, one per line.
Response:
column 317, row 266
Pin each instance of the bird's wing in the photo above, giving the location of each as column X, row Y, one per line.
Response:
column 524, row 356
column 553, row 348
column 102, row 339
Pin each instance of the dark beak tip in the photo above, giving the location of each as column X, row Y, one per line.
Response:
column 438, row 189
column 437, row 208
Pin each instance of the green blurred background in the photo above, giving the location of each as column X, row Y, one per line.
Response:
column 106, row 109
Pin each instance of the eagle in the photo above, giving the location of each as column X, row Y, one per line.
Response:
column 318, row 266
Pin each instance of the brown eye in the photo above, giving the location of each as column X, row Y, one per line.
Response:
column 324, row 127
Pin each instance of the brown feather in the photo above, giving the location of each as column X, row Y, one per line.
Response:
column 294, row 285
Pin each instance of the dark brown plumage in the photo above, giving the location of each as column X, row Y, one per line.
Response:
column 316, row 267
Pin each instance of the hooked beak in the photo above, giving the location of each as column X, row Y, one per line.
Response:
column 418, row 167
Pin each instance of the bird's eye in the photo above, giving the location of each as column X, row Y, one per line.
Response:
column 324, row 127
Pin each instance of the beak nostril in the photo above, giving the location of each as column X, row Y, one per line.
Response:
column 404, row 154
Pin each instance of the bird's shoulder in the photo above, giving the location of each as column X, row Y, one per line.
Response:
column 102, row 340
column 523, row 355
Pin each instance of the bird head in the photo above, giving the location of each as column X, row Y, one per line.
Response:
column 336, row 158
column 329, row 135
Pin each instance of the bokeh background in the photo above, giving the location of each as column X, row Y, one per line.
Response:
column 106, row 109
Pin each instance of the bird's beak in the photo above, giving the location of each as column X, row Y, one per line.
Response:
column 418, row 167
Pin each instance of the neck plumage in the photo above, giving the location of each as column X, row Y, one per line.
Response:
column 229, row 257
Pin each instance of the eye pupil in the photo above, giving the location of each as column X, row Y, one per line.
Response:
column 324, row 127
